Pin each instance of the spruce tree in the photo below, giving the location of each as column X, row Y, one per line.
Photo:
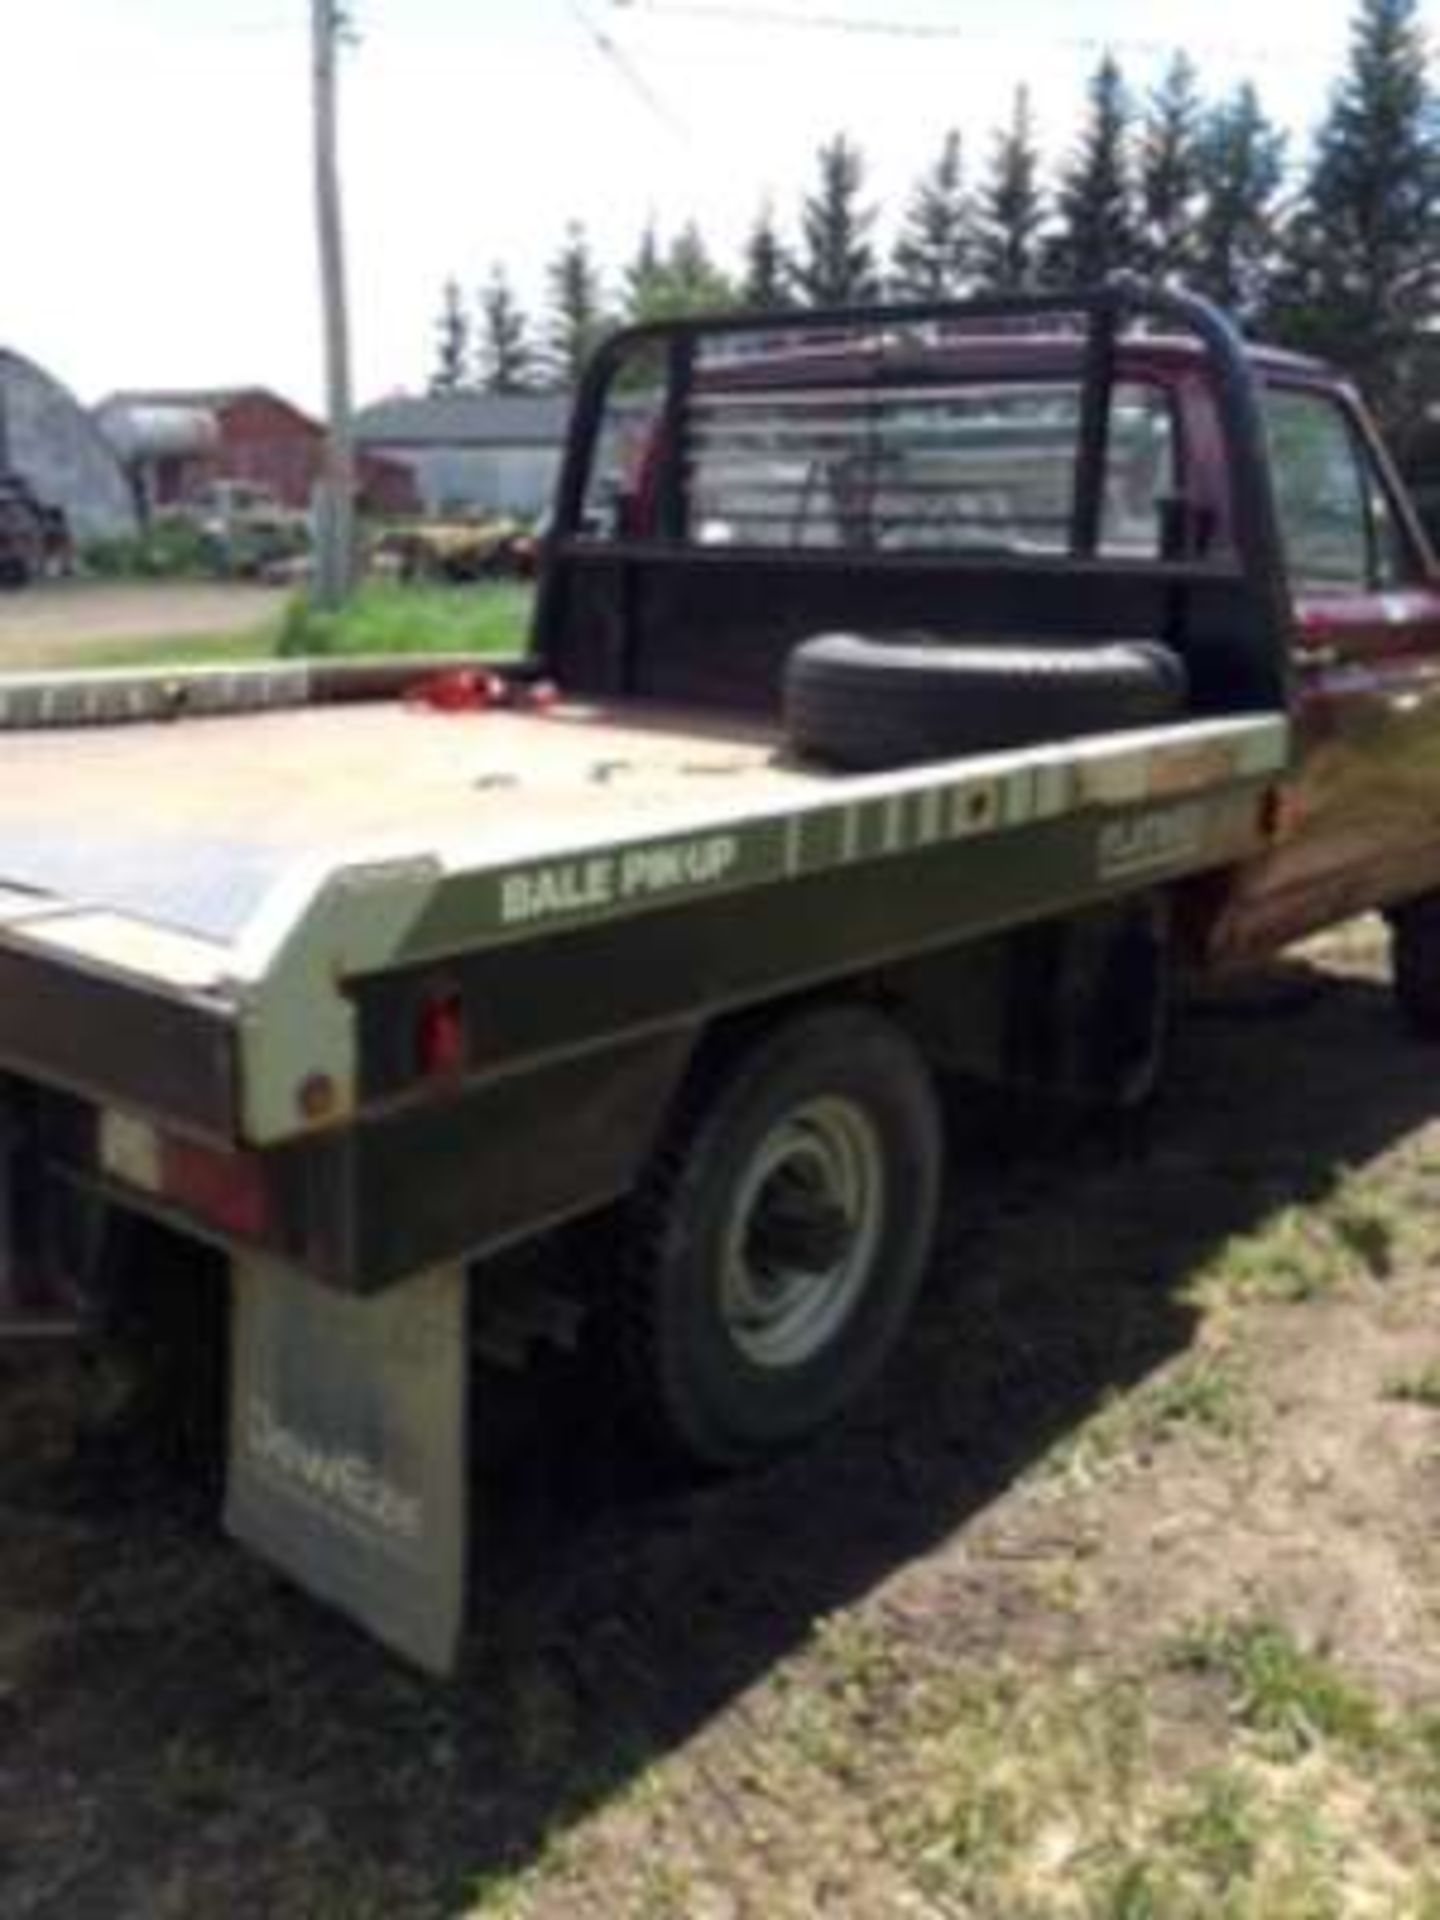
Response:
column 682, row 279
column 1242, row 168
column 696, row 284
column 452, row 343
column 642, row 276
column 578, row 319
column 506, row 357
column 1010, row 213
column 1170, row 168
column 837, row 258
column 1096, row 202
column 931, row 258
column 768, row 274
column 1362, row 270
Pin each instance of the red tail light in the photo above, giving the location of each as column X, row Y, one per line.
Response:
column 441, row 1038
column 226, row 1190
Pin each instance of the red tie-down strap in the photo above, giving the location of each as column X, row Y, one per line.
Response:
column 477, row 689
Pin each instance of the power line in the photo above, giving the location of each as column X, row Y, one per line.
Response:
column 786, row 17
column 628, row 71
column 256, row 28
column 868, row 26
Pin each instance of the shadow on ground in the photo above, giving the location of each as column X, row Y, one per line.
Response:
column 183, row 1734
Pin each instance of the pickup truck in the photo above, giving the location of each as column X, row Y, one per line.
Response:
column 913, row 692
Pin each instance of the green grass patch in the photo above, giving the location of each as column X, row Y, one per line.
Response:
column 386, row 618
column 1358, row 1232
column 1295, row 1258
column 1293, row 1699
column 383, row 618
column 202, row 650
column 1419, row 1389
column 1219, row 1826
column 1203, row 1395
column 1020, row 1789
column 1368, row 1223
column 1052, row 1798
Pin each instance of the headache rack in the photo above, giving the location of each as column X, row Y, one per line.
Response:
column 731, row 486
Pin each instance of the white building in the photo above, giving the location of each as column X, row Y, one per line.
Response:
column 473, row 452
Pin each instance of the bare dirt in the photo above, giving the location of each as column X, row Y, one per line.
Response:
column 1119, row 1599
column 68, row 622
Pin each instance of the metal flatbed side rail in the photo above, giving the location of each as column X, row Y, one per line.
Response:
column 108, row 696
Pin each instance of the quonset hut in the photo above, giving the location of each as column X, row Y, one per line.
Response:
column 49, row 439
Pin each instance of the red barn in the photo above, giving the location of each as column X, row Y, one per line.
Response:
column 174, row 442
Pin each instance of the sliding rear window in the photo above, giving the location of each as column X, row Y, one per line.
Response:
column 972, row 468
column 978, row 466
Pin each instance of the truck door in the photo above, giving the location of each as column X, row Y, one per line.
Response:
column 1363, row 819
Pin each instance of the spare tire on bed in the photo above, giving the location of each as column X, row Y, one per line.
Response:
column 869, row 704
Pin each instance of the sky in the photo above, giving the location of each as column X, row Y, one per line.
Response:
column 158, row 216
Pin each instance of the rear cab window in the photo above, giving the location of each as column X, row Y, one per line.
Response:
column 980, row 468
column 968, row 466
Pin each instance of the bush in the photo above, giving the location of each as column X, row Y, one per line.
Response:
column 166, row 550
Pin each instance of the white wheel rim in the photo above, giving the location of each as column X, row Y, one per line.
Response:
column 803, row 1232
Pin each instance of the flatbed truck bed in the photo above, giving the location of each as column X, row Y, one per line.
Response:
column 153, row 860
column 145, row 818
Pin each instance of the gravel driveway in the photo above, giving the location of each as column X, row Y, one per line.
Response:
column 63, row 622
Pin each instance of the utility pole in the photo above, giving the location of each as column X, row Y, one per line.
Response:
column 335, row 491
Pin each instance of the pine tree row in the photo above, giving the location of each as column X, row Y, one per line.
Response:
column 1342, row 259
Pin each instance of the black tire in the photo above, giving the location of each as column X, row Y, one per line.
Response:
column 869, row 704
column 723, row 1372
column 1415, row 964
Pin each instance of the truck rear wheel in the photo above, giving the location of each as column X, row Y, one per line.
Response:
column 1415, row 963
column 779, row 1243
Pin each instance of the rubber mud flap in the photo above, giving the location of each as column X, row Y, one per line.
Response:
column 348, row 1448
column 869, row 704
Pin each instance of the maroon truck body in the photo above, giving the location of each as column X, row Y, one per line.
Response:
column 1363, row 813
column 1360, row 825
column 618, row 1015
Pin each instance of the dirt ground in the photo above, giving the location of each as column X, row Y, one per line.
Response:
column 54, row 624
column 1119, row 1599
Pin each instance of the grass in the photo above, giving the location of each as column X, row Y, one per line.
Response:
column 1203, row 1395
column 1292, row 1698
column 1418, row 1389
column 1043, row 1793
column 201, row 650
column 1295, row 1259
column 1017, row 1791
column 1061, row 1795
column 1367, row 1223
column 383, row 618
column 1304, row 1253
column 1357, row 1234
